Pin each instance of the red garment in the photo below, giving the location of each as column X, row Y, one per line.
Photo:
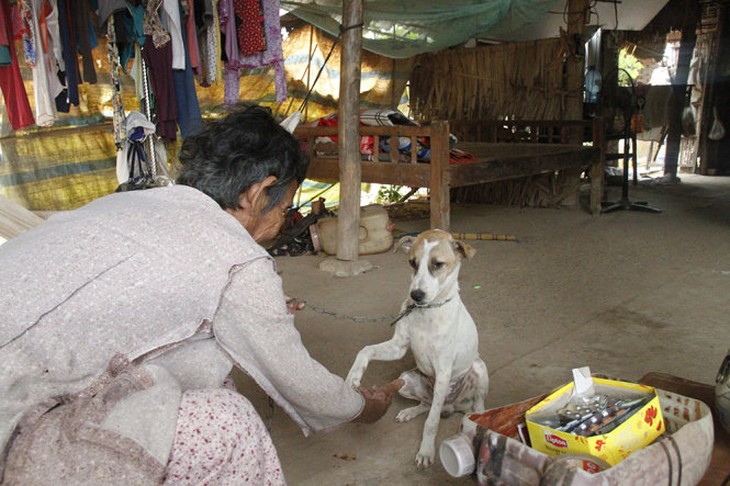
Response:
column 5, row 35
column 192, row 37
column 251, row 37
column 20, row 27
column 11, row 82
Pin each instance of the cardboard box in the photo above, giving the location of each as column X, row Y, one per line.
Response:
column 640, row 429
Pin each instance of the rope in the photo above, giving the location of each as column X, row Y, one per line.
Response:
column 360, row 319
column 483, row 236
column 324, row 64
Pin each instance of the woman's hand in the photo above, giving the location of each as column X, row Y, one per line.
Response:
column 294, row 305
column 377, row 401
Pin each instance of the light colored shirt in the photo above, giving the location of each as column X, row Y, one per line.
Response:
column 138, row 272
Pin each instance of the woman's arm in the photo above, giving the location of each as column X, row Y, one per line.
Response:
column 254, row 326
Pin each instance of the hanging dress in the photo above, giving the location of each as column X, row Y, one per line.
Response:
column 272, row 54
column 20, row 114
column 208, row 42
column 46, row 86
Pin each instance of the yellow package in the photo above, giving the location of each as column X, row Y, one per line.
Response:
column 635, row 421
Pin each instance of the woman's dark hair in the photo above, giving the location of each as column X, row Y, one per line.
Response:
column 229, row 155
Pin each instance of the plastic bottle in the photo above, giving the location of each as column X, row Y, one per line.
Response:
column 457, row 455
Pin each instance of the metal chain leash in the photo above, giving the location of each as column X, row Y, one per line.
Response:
column 395, row 318
column 323, row 311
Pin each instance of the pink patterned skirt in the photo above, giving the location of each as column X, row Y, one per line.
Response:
column 220, row 439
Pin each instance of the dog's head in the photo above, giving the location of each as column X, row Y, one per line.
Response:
column 436, row 259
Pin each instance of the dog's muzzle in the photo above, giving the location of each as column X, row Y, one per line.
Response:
column 418, row 295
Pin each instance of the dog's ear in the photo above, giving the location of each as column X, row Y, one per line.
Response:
column 405, row 243
column 465, row 250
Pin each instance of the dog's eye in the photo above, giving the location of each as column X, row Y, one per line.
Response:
column 435, row 265
column 414, row 263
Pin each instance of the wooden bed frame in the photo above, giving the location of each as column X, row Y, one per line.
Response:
column 496, row 161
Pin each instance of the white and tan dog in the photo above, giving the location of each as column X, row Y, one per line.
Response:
column 435, row 325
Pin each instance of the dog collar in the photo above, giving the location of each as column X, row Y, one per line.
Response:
column 414, row 306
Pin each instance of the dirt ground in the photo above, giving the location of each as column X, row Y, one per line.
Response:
column 625, row 293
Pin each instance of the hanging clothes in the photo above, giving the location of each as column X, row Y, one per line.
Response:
column 153, row 24
column 170, row 15
column 109, row 11
column 162, row 82
column 250, row 31
column 54, row 35
column 130, row 33
column 230, row 52
column 71, row 74
column 11, row 82
column 189, row 118
column 23, row 28
column 191, row 37
column 79, row 13
column 115, row 70
column 5, row 35
column 206, row 19
column 46, row 85
column 5, row 43
column 273, row 55
column 107, row 7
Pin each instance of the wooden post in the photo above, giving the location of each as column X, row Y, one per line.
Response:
column 679, row 89
column 575, row 65
column 574, row 83
column 713, row 153
column 348, row 216
column 598, row 166
column 440, row 187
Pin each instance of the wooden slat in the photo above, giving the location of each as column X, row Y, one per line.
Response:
column 524, row 160
column 411, row 175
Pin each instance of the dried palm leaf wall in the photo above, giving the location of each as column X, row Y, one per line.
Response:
column 515, row 81
column 520, row 81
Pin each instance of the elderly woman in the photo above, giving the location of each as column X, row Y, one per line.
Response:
column 123, row 319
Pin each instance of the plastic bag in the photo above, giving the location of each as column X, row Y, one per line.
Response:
column 688, row 121
column 717, row 131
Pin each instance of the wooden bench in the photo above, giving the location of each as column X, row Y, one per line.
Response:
column 494, row 161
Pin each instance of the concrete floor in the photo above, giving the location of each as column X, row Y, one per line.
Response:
column 624, row 293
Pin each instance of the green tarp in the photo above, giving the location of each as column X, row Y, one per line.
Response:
column 404, row 28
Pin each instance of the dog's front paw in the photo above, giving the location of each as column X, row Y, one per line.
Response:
column 354, row 378
column 425, row 456
column 410, row 413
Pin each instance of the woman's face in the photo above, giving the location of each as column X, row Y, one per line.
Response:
column 264, row 226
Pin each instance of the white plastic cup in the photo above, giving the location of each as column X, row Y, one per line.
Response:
column 457, row 455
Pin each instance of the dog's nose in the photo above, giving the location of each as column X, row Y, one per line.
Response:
column 417, row 295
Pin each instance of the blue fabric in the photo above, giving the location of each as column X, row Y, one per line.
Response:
column 189, row 119
column 129, row 32
column 5, row 59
